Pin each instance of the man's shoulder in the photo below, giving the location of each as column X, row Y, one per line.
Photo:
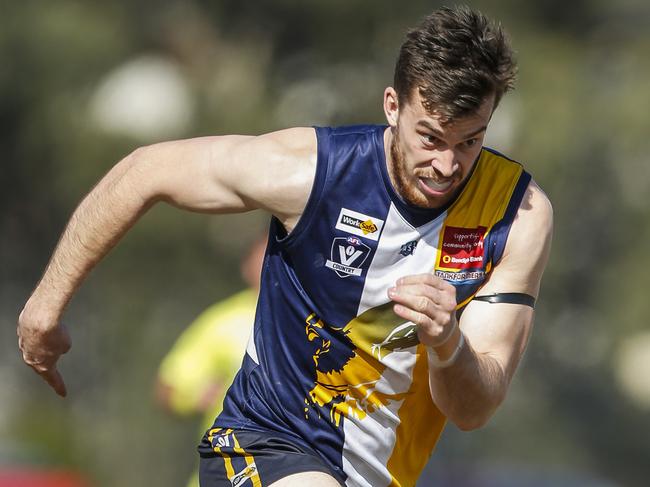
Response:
column 533, row 222
column 351, row 134
column 529, row 241
column 534, row 205
column 349, row 140
column 538, row 203
column 364, row 129
column 527, row 247
column 300, row 140
column 290, row 141
column 498, row 154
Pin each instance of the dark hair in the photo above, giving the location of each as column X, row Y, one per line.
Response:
column 456, row 58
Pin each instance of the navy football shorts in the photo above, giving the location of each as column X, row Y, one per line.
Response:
column 234, row 458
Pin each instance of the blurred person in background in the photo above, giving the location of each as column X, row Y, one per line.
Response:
column 195, row 374
column 400, row 278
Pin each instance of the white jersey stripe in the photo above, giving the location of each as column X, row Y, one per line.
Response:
column 365, row 458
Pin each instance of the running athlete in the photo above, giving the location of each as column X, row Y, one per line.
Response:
column 399, row 279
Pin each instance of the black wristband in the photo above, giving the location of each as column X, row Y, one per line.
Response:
column 510, row 298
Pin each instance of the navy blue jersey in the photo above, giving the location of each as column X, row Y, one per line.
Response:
column 329, row 365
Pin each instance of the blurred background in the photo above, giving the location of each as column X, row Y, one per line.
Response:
column 84, row 83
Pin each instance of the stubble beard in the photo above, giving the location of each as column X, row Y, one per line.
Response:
column 400, row 179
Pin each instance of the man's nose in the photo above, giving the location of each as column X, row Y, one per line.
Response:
column 444, row 163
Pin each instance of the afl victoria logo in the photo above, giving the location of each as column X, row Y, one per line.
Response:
column 347, row 256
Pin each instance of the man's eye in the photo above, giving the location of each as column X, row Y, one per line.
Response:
column 430, row 139
column 471, row 142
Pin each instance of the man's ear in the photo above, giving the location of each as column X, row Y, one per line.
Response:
column 391, row 106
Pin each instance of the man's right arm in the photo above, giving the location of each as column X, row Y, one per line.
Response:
column 225, row 174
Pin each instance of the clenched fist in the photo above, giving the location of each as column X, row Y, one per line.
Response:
column 430, row 303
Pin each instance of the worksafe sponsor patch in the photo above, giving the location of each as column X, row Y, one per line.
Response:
column 359, row 224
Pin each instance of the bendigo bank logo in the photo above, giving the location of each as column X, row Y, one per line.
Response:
column 462, row 248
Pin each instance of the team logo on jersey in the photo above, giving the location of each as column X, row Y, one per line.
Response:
column 347, row 257
column 359, row 224
column 461, row 255
column 249, row 472
column 346, row 378
column 403, row 336
column 408, row 248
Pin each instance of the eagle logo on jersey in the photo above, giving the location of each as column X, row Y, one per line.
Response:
column 404, row 336
column 348, row 362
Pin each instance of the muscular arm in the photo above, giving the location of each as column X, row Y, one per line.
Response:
column 469, row 390
column 211, row 174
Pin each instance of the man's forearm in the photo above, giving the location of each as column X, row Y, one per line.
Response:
column 470, row 389
column 99, row 221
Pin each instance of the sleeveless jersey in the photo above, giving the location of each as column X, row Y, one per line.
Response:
column 329, row 365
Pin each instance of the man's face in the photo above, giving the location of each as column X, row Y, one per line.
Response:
column 428, row 161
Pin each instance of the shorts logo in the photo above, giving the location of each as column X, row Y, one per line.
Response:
column 462, row 254
column 223, row 441
column 221, row 438
column 359, row 224
column 244, row 475
column 347, row 256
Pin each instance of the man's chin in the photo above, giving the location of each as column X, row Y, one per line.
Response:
column 431, row 201
column 424, row 201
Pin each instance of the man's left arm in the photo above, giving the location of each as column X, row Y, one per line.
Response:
column 473, row 362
